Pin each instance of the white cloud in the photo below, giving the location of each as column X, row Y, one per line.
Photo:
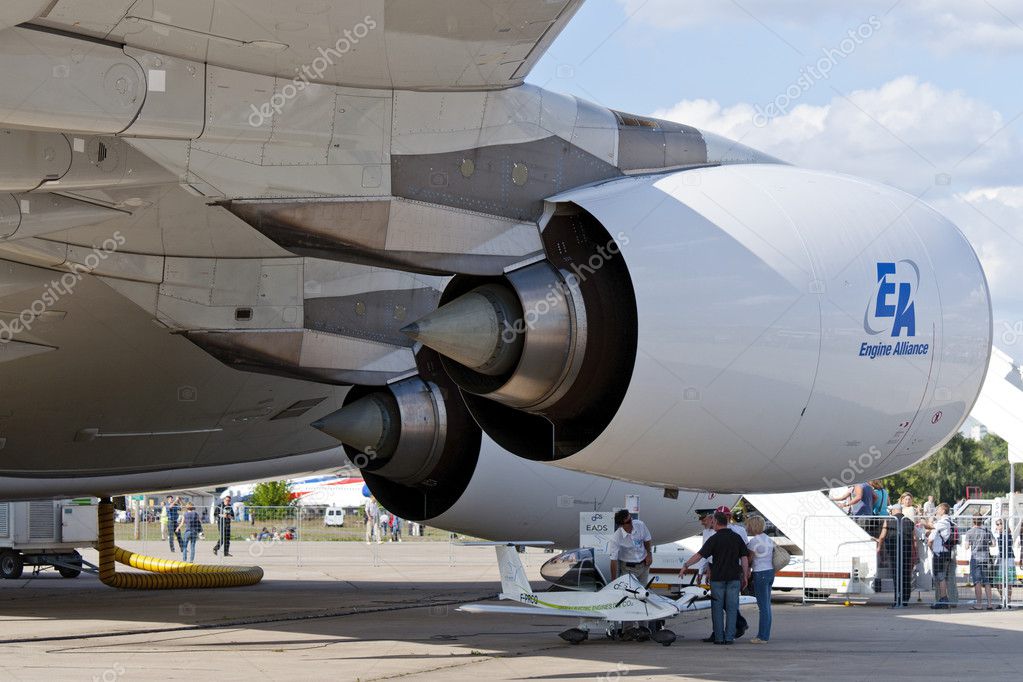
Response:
column 943, row 24
column 905, row 133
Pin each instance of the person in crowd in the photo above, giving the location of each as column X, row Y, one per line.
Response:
column 224, row 514
column 372, row 512
column 173, row 508
column 908, row 506
column 739, row 529
column 859, row 500
column 630, row 547
column 385, row 523
column 729, row 573
column 929, row 507
column 761, row 557
column 189, row 527
column 396, row 522
column 703, row 566
column 1006, row 575
column 163, row 523
column 896, row 540
column 979, row 540
column 941, row 540
column 881, row 500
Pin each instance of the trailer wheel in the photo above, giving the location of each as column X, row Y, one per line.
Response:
column 11, row 564
column 74, row 559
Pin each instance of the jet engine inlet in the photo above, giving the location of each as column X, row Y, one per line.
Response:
column 543, row 355
column 520, row 343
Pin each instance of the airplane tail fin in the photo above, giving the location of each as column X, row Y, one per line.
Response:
column 513, row 573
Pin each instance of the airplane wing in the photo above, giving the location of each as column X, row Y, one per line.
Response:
column 527, row 611
column 404, row 44
column 700, row 603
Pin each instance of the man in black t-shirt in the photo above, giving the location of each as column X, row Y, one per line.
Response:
column 728, row 575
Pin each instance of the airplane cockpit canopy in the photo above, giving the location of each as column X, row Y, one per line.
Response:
column 575, row 569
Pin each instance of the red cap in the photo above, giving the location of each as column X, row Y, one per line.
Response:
column 724, row 510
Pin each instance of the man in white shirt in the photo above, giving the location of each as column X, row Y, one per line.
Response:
column 630, row 547
column 703, row 565
column 372, row 515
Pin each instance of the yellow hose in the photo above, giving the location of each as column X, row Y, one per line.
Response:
column 164, row 574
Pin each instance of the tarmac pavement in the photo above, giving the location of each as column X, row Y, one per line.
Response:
column 345, row 611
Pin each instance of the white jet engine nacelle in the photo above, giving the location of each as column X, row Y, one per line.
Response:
column 742, row 328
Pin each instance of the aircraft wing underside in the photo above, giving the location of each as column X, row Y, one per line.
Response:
column 409, row 44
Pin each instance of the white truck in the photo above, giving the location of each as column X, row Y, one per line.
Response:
column 44, row 534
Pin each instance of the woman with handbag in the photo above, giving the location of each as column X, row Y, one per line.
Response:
column 761, row 549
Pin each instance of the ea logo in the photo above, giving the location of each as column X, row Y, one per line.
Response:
column 891, row 306
column 595, row 517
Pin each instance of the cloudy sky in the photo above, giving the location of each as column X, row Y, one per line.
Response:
column 924, row 95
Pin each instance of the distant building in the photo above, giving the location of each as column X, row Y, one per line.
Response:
column 978, row 431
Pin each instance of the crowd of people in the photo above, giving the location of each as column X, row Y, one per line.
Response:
column 733, row 557
column 739, row 557
column 181, row 521
column 906, row 531
column 384, row 525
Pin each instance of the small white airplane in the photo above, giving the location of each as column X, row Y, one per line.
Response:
column 623, row 600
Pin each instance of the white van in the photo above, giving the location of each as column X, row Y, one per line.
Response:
column 334, row 516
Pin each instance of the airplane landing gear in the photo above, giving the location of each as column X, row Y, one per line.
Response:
column 574, row 635
column 664, row 637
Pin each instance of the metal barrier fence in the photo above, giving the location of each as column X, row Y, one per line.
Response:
column 297, row 536
column 868, row 557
